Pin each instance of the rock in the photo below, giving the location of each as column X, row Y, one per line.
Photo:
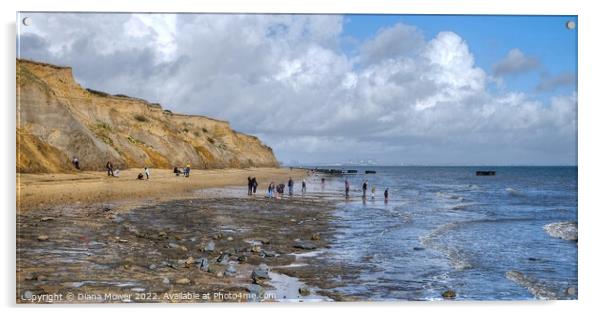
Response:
column 177, row 237
column 532, row 259
column 162, row 235
column 173, row 245
column 106, row 209
column 242, row 259
column 165, row 280
column 305, row 245
column 209, row 247
column 418, row 248
column 126, row 266
column 43, row 238
column 260, row 273
column 257, row 292
column 219, row 274
column 46, row 219
column 223, row 258
column 183, row 281
column 256, row 249
column 189, row 261
column 230, row 271
column 315, row 236
column 449, row 294
column 152, row 266
column 230, row 238
column 304, row 291
column 203, row 264
column 218, row 236
column 563, row 230
column 42, row 278
column 183, row 248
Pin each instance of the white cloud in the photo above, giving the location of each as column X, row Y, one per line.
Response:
column 286, row 79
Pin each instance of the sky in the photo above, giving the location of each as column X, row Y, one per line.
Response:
column 326, row 89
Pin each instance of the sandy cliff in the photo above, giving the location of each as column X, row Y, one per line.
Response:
column 57, row 120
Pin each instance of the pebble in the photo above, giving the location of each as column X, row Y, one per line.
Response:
column 230, row 238
column 189, row 261
column 315, row 236
column 46, row 219
column 418, row 248
column 260, row 273
column 43, row 238
column 165, row 280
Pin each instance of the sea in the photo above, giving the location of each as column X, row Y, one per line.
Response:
column 444, row 228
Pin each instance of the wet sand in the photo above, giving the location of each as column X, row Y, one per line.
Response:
column 124, row 248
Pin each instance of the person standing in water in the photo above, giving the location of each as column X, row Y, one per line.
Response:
column 373, row 191
column 254, row 185
column 303, row 187
column 323, row 183
column 364, row 189
column 386, row 195
column 249, row 186
column 347, row 187
column 290, row 186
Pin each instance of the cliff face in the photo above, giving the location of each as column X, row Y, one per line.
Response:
column 57, row 120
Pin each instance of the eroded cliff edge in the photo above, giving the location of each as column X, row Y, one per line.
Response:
column 57, row 120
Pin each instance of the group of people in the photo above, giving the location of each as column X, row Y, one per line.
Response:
column 185, row 172
column 275, row 190
column 365, row 189
column 145, row 172
column 252, row 185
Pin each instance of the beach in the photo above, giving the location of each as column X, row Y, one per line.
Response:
column 40, row 190
column 168, row 239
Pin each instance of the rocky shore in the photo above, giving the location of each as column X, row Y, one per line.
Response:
column 186, row 250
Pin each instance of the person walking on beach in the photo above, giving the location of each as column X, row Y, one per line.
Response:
column 254, row 185
column 323, row 183
column 364, row 189
column 373, row 191
column 249, row 186
column 187, row 170
column 303, row 187
column 347, row 187
column 109, row 169
column 290, row 186
column 75, row 163
column 146, row 172
column 386, row 195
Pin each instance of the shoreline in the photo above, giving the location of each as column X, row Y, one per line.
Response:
column 118, row 236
